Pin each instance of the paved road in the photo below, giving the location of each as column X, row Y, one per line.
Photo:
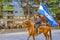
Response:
column 22, row 35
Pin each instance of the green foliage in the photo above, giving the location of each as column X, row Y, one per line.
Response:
column 6, row 7
column 55, row 10
column 54, row 6
column 2, row 0
column 52, row 1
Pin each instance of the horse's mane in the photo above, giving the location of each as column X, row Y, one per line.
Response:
column 29, row 23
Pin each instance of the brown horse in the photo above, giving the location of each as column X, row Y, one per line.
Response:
column 42, row 29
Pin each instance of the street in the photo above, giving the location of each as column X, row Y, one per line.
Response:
column 22, row 35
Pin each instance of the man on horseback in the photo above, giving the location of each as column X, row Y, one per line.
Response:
column 37, row 22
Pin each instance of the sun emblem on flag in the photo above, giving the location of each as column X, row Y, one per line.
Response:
column 46, row 14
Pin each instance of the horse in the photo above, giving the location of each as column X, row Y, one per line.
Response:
column 42, row 29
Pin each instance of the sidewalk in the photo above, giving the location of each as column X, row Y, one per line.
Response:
column 12, row 30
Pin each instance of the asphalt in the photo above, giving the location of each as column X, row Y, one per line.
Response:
column 23, row 34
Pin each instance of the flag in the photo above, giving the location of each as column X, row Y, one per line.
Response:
column 42, row 10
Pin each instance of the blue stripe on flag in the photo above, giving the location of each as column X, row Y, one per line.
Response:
column 46, row 10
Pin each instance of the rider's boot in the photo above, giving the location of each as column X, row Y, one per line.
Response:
column 36, row 31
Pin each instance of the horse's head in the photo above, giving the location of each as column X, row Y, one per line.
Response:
column 27, row 23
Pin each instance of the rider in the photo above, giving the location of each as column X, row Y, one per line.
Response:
column 37, row 22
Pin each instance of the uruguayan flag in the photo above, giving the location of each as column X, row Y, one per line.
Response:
column 42, row 10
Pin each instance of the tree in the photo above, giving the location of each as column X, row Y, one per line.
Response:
column 58, row 16
column 2, row 0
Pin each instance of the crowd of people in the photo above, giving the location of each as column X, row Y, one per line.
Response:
column 37, row 19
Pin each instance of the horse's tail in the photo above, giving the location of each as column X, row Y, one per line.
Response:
column 50, row 35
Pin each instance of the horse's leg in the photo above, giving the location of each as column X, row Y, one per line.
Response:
column 33, row 37
column 46, row 36
column 28, row 37
column 50, row 36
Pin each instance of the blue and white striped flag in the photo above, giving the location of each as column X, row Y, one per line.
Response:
column 42, row 10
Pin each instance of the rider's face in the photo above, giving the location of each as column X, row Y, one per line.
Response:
column 37, row 16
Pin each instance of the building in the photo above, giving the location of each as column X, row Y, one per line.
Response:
column 1, row 12
column 12, row 13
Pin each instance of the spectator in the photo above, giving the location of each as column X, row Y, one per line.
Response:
column 42, row 18
column 58, row 22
